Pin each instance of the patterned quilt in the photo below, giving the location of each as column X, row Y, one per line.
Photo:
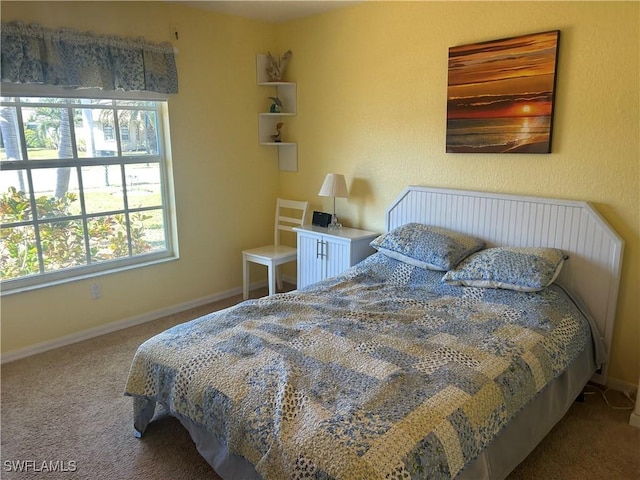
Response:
column 381, row 373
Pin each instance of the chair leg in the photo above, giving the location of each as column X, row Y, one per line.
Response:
column 272, row 279
column 245, row 278
column 278, row 277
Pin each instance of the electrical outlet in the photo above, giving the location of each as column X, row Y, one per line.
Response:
column 96, row 290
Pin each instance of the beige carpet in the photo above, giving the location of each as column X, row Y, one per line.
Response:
column 67, row 406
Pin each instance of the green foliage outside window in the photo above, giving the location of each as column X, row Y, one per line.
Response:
column 62, row 241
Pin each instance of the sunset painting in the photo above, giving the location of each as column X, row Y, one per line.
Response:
column 500, row 95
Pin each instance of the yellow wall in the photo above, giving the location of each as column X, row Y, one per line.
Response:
column 371, row 104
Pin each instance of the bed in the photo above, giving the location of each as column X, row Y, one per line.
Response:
column 449, row 353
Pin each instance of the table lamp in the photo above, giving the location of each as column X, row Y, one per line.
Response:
column 334, row 186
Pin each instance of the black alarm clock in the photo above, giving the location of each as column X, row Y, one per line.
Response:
column 321, row 219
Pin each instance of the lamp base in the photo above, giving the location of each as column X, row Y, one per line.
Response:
column 334, row 223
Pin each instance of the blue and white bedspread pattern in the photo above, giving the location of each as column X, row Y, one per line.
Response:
column 380, row 373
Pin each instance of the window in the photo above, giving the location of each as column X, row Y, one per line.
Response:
column 107, row 131
column 124, row 133
column 83, row 187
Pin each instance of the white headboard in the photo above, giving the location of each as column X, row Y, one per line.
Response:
column 594, row 248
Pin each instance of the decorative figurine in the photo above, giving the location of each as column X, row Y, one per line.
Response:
column 275, row 68
column 277, row 137
column 276, row 107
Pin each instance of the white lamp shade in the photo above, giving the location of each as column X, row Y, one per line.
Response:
column 334, row 186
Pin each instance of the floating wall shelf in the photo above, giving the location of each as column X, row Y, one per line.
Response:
column 267, row 121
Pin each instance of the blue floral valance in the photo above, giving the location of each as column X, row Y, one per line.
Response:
column 74, row 59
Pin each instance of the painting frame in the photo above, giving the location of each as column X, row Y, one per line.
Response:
column 501, row 94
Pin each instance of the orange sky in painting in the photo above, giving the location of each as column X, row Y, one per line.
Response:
column 502, row 78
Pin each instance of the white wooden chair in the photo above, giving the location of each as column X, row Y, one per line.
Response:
column 274, row 255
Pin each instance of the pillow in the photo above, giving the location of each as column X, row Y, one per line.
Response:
column 523, row 269
column 427, row 247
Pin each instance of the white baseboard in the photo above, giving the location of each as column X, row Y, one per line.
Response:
column 119, row 325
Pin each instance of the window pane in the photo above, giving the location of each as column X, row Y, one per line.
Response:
column 108, row 237
column 138, row 132
column 10, row 134
column 48, row 100
column 56, row 192
column 95, row 133
column 96, row 101
column 143, row 185
column 51, row 132
column 15, row 202
column 18, row 252
column 102, row 188
column 105, row 133
column 147, row 232
column 62, row 244
column 135, row 103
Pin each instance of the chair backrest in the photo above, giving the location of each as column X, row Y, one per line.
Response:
column 289, row 214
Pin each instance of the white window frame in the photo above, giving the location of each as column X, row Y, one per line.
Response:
column 90, row 270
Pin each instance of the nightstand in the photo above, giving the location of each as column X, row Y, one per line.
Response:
column 324, row 253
